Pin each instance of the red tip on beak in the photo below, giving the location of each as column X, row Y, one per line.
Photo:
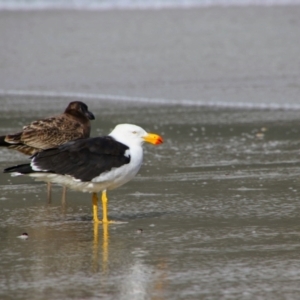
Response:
column 159, row 140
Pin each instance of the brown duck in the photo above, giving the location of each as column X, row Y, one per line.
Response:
column 51, row 132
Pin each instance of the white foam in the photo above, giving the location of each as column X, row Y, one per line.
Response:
column 132, row 4
column 157, row 101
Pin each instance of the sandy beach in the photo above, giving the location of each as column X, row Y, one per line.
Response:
column 217, row 54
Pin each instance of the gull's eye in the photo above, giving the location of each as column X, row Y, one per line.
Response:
column 134, row 132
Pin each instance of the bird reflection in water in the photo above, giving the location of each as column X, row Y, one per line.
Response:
column 141, row 280
column 105, row 241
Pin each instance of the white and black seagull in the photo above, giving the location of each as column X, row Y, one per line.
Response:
column 93, row 164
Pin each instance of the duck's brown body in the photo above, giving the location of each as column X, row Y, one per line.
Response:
column 51, row 132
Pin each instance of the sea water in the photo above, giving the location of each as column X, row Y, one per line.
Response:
column 131, row 4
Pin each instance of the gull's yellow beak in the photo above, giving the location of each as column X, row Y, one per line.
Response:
column 153, row 138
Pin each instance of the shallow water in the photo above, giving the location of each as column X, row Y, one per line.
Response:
column 217, row 202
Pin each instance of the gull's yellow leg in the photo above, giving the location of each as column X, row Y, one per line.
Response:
column 104, row 207
column 95, row 208
column 104, row 210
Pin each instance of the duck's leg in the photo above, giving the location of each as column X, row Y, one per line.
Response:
column 49, row 190
column 64, row 193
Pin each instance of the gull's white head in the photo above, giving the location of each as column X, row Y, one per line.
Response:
column 130, row 134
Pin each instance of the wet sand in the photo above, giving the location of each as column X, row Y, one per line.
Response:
column 238, row 54
column 218, row 203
